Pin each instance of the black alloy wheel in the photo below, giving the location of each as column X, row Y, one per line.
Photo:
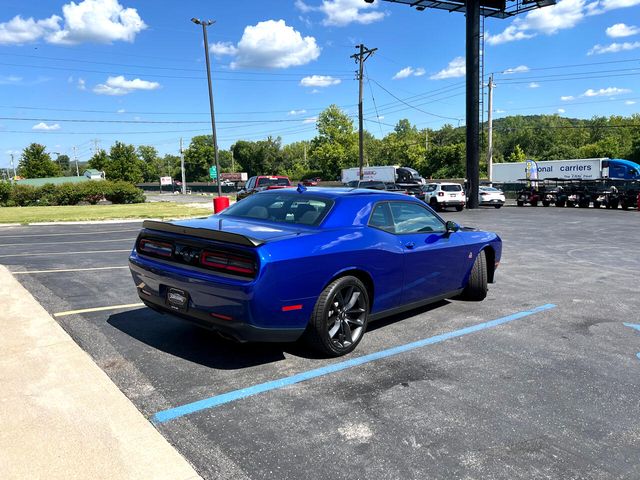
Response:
column 340, row 317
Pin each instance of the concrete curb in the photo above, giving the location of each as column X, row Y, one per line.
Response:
column 61, row 416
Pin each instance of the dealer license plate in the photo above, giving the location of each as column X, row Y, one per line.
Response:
column 177, row 299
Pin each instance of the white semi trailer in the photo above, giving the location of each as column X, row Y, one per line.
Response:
column 577, row 169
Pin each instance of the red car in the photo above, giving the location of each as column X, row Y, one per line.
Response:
column 263, row 182
column 311, row 182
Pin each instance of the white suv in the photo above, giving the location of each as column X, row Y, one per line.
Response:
column 443, row 195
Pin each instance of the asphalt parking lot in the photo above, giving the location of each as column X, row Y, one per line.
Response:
column 549, row 393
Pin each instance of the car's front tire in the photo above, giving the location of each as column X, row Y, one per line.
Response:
column 339, row 318
column 476, row 288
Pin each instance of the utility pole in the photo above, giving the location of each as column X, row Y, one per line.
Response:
column 233, row 161
column 184, row 184
column 96, row 145
column 205, row 24
column 490, row 131
column 360, row 58
column 472, row 101
column 75, row 157
column 13, row 166
column 426, row 140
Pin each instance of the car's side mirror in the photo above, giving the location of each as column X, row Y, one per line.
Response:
column 452, row 226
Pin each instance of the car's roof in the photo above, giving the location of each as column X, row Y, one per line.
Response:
column 338, row 192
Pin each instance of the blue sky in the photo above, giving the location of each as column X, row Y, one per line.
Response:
column 95, row 71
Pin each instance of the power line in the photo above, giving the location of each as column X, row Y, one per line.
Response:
column 143, row 122
column 575, row 65
column 414, row 107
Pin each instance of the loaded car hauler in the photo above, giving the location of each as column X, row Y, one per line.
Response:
column 578, row 169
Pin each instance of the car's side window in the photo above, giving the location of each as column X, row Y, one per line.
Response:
column 381, row 218
column 250, row 183
column 409, row 217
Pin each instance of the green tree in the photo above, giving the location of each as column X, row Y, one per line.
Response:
column 517, row 155
column 336, row 144
column 446, row 161
column 36, row 163
column 124, row 164
column 151, row 165
column 99, row 160
column 198, row 158
column 63, row 162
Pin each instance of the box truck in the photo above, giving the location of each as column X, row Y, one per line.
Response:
column 578, row 169
column 386, row 174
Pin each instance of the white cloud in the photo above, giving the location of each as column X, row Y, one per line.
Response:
column 509, row 34
column 380, row 117
column 630, row 102
column 43, row 127
column 567, row 98
column 99, row 21
column 518, row 69
column 270, row 44
column 340, row 13
column 319, row 81
column 601, row 6
column 82, row 85
column 499, row 111
column 297, row 112
column 621, row 30
column 10, row 80
column 605, row 92
column 456, row 68
column 223, row 48
column 561, row 110
column 409, row 71
column 121, row 110
column 550, row 20
column 534, row 85
column 121, row 86
column 310, row 120
column 18, row 30
column 613, row 48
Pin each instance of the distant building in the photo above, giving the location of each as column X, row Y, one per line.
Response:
column 89, row 174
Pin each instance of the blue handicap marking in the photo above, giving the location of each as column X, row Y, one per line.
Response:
column 637, row 327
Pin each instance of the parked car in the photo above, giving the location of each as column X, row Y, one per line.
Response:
column 314, row 264
column 491, row 196
column 311, row 182
column 263, row 182
column 442, row 195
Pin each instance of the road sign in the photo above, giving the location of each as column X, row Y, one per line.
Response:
column 165, row 180
column 213, row 172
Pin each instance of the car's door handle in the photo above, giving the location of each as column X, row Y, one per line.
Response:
column 410, row 245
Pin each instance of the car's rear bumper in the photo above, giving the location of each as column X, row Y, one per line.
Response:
column 493, row 201
column 452, row 203
column 228, row 309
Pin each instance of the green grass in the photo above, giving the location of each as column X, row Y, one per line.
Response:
column 162, row 210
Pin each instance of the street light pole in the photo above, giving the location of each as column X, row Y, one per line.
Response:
column 205, row 24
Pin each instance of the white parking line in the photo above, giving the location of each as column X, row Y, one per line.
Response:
column 68, row 233
column 62, row 270
column 130, row 239
column 62, row 253
column 97, row 309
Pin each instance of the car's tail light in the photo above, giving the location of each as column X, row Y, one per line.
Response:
column 154, row 247
column 441, row 194
column 228, row 262
column 483, row 193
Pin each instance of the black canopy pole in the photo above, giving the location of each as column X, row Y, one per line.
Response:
column 473, row 100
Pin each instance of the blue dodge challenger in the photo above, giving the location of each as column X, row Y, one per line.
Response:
column 314, row 264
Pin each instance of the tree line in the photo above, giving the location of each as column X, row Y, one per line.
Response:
column 435, row 153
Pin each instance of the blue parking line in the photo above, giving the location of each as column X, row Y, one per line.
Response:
column 217, row 400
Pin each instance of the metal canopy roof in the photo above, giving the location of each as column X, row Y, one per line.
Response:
column 488, row 8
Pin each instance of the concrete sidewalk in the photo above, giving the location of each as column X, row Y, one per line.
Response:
column 61, row 417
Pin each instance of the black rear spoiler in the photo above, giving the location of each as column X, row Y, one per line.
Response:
column 216, row 235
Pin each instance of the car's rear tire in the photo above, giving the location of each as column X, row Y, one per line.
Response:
column 459, row 208
column 433, row 203
column 498, row 206
column 476, row 288
column 340, row 317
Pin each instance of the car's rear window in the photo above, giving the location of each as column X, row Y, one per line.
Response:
column 451, row 188
column 294, row 208
column 268, row 182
